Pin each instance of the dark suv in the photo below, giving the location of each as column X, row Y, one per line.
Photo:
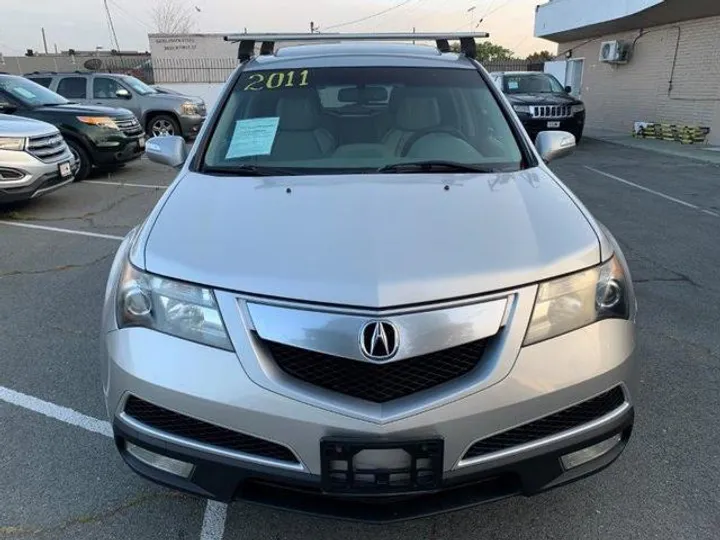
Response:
column 541, row 102
column 103, row 137
column 159, row 113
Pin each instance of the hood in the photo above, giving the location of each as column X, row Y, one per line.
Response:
column 370, row 240
column 85, row 110
column 17, row 126
column 542, row 99
column 174, row 98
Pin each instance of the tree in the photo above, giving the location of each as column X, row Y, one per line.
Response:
column 172, row 17
column 542, row 56
column 488, row 51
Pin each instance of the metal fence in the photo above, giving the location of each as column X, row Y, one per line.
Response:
column 175, row 70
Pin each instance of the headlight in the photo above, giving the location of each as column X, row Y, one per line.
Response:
column 12, row 143
column 577, row 109
column 189, row 108
column 522, row 108
column 104, row 121
column 179, row 309
column 575, row 301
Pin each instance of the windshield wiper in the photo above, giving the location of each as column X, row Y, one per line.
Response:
column 434, row 166
column 249, row 170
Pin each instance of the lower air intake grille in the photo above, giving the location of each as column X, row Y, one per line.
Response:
column 199, row 431
column 378, row 383
column 550, row 425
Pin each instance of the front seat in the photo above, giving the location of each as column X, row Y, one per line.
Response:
column 300, row 135
column 415, row 111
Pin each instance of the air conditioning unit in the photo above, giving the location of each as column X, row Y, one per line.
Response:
column 615, row 52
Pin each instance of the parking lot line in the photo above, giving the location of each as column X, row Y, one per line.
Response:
column 57, row 412
column 213, row 527
column 58, row 229
column 124, row 184
column 652, row 191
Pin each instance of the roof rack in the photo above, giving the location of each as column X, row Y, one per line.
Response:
column 246, row 49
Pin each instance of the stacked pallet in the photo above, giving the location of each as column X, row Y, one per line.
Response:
column 671, row 132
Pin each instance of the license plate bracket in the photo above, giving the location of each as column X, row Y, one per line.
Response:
column 341, row 476
column 553, row 125
column 65, row 170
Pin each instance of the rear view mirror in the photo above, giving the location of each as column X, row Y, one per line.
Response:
column 168, row 150
column 7, row 108
column 554, row 145
column 123, row 94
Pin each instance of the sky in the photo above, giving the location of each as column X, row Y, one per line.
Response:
column 82, row 24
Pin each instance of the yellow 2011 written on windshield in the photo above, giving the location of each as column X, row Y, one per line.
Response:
column 278, row 79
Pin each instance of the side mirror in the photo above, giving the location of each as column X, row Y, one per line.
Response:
column 7, row 108
column 169, row 150
column 568, row 89
column 554, row 145
column 123, row 94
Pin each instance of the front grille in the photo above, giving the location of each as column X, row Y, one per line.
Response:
column 129, row 125
column 203, row 432
column 47, row 147
column 550, row 425
column 551, row 111
column 378, row 383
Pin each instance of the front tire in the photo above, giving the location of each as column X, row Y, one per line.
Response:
column 163, row 125
column 82, row 160
column 578, row 136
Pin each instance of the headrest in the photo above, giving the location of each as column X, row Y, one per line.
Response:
column 298, row 112
column 417, row 112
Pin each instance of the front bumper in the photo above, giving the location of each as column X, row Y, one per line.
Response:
column 117, row 149
column 190, row 125
column 574, row 124
column 34, row 177
column 545, row 378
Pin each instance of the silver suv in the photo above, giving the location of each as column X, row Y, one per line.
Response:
column 366, row 295
column 161, row 114
column 34, row 159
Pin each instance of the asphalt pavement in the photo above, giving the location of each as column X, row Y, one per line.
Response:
column 61, row 478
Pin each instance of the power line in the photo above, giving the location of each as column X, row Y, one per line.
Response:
column 113, row 35
column 130, row 15
column 368, row 17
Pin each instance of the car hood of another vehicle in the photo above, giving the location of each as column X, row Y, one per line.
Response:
column 370, row 240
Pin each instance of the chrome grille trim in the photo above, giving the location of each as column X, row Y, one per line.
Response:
column 129, row 125
column 48, row 148
column 550, row 111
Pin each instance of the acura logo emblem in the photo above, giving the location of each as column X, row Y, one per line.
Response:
column 379, row 340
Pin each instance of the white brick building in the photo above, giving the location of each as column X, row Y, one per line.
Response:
column 672, row 74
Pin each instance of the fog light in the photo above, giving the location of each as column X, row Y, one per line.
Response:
column 590, row 453
column 158, row 461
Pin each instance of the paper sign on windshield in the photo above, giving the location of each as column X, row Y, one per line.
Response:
column 253, row 137
column 513, row 85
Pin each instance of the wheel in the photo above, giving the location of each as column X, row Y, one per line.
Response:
column 82, row 160
column 162, row 125
column 578, row 136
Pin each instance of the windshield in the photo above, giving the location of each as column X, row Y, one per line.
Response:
column 29, row 93
column 532, row 83
column 345, row 120
column 139, row 86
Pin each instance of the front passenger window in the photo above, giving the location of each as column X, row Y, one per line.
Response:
column 105, row 88
column 73, row 87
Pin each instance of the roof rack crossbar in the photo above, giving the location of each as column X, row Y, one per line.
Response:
column 246, row 48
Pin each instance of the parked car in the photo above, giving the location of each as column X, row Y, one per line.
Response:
column 380, row 312
column 541, row 102
column 160, row 114
column 34, row 159
column 101, row 137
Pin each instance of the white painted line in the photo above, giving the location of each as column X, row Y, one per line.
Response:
column 59, row 230
column 213, row 527
column 711, row 213
column 55, row 411
column 648, row 190
column 123, row 184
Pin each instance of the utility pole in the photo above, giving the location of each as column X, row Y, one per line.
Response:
column 413, row 33
column 56, row 51
column 113, row 35
column 44, row 40
column 312, row 27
